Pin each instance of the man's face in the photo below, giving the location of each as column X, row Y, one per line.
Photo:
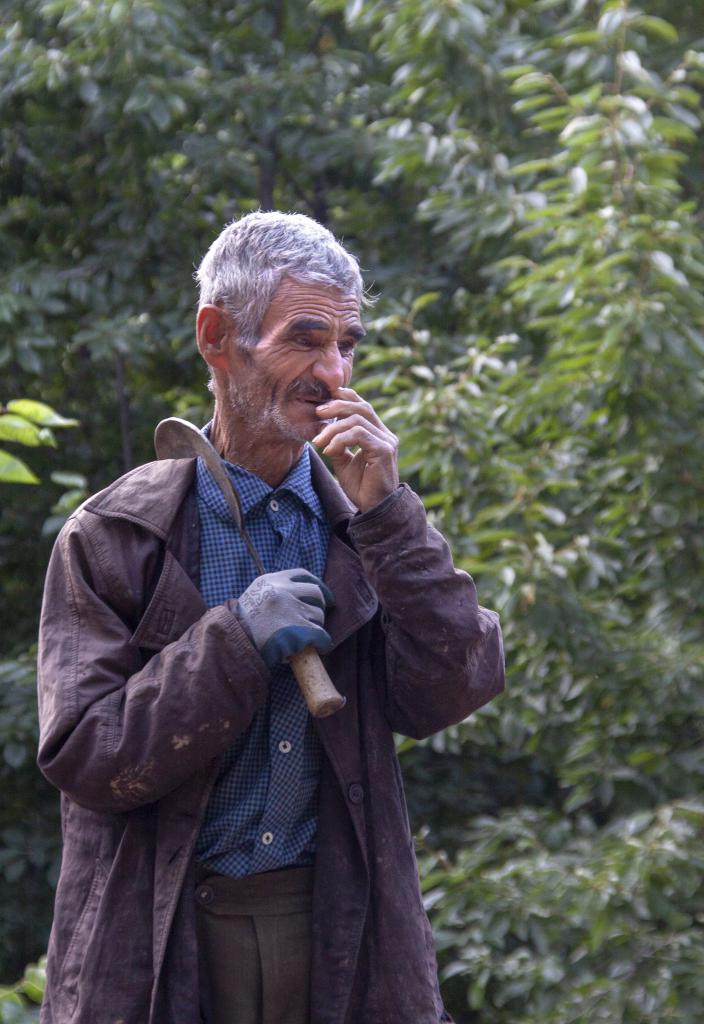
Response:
column 304, row 354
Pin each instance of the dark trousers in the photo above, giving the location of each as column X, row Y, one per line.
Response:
column 254, row 936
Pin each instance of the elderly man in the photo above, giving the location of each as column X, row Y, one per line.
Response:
column 227, row 858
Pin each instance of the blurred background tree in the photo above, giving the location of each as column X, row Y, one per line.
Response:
column 521, row 182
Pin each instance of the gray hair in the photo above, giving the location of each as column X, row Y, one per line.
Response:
column 244, row 266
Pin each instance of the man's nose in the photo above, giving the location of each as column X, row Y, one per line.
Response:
column 330, row 368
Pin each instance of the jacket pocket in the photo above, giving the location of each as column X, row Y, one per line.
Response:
column 75, row 954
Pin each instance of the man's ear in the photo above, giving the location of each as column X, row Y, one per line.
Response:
column 214, row 334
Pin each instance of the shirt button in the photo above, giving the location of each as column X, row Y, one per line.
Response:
column 355, row 793
column 284, row 746
column 205, row 895
column 274, row 505
column 268, row 838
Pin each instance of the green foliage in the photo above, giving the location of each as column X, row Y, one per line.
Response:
column 555, row 920
column 29, row 819
column 521, row 181
column 29, row 423
column 19, row 1003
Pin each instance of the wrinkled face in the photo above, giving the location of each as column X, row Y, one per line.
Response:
column 304, row 354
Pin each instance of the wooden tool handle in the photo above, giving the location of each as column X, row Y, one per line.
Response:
column 317, row 687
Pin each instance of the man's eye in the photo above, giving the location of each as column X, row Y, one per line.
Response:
column 347, row 347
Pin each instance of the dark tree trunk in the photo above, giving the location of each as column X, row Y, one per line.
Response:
column 267, row 180
column 319, row 206
column 123, row 409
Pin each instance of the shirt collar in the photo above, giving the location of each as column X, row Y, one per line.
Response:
column 300, row 484
column 253, row 491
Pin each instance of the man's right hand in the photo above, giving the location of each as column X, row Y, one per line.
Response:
column 284, row 612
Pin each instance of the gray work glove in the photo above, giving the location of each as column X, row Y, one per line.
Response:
column 283, row 612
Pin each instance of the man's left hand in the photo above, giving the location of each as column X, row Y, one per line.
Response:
column 369, row 474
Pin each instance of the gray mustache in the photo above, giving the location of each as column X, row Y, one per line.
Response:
column 315, row 390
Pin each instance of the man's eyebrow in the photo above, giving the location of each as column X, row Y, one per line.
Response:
column 311, row 324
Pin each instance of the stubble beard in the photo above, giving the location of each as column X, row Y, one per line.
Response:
column 267, row 421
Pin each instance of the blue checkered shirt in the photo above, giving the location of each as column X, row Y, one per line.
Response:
column 262, row 813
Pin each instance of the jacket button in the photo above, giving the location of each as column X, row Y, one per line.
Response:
column 356, row 793
column 205, row 895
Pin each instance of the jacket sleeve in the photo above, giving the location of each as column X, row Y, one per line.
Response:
column 444, row 652
column 116, row 733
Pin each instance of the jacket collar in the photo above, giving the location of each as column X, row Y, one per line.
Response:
column 152, row 494
column 337, row 506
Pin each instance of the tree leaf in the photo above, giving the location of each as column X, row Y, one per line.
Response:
column 16, row 428
column 38, row 412
column 14, row 471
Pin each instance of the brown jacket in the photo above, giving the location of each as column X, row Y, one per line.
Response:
column 141, row 687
